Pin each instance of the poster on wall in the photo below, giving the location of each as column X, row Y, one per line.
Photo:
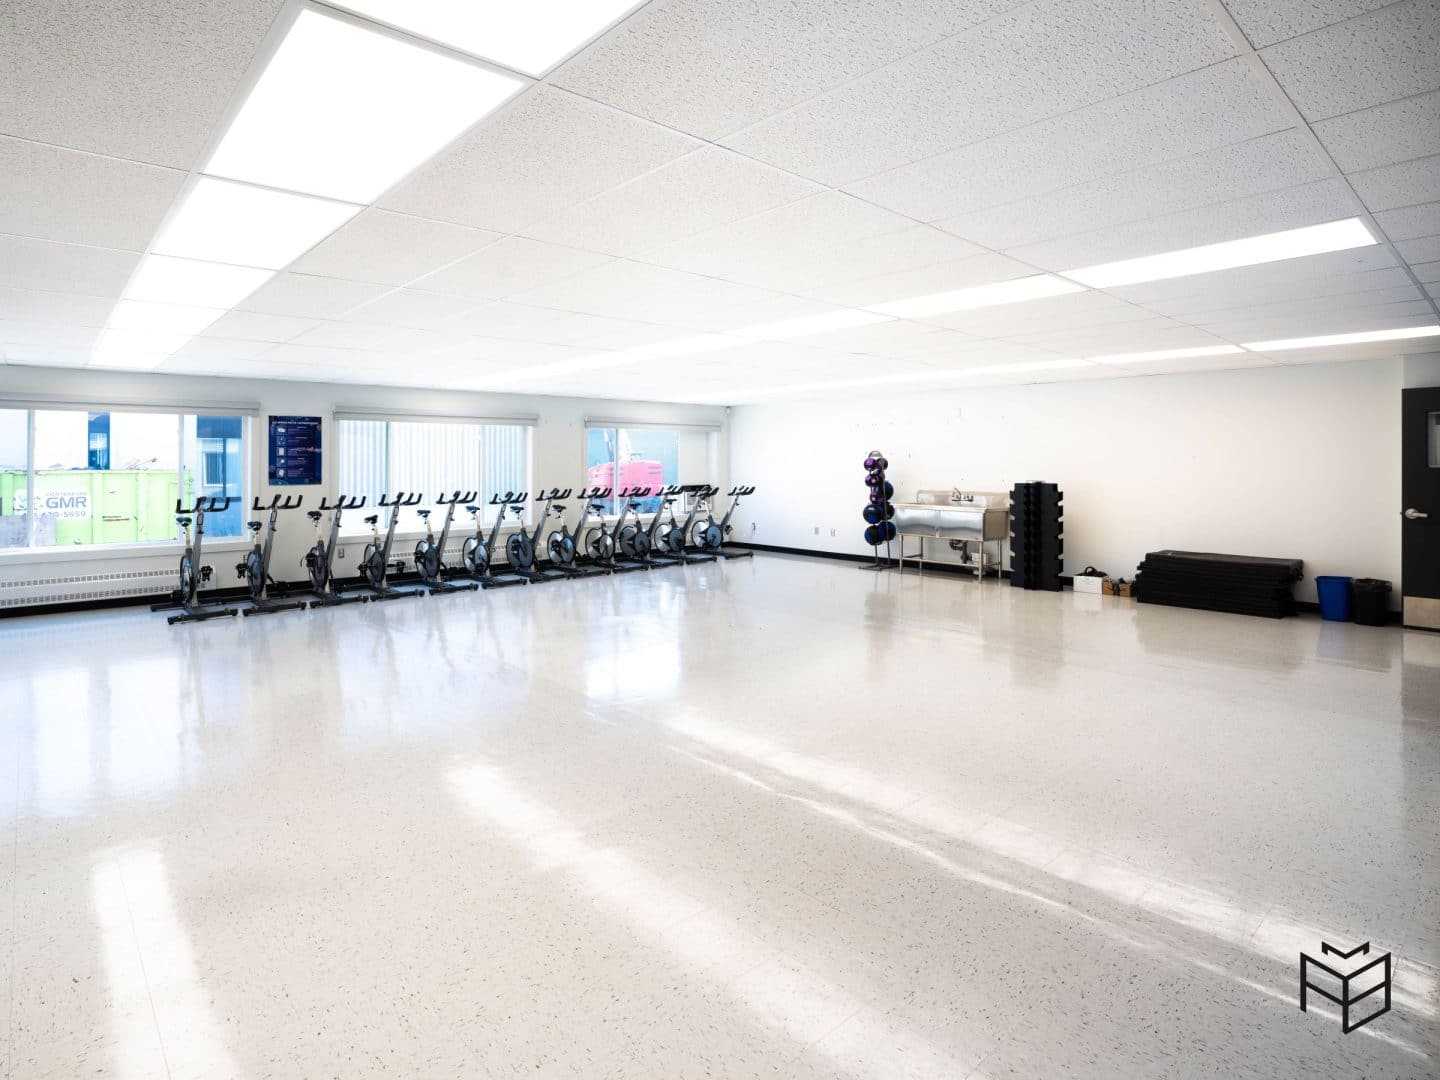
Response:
column 294, row 450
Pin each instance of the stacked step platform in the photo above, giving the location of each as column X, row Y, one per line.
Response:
column 1242, row 584
column 1036, row 543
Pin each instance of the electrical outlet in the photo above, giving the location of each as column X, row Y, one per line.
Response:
column 817, row 530
column 753, row 527
column 340, row 553
column 832, row 532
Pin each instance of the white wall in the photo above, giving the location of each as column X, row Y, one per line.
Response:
column 1298, row 461
column 558, row 445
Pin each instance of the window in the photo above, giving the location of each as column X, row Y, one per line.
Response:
column 620, row 457
column 70, row 477
column 431, row 458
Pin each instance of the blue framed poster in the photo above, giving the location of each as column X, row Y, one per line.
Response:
column 294, row 450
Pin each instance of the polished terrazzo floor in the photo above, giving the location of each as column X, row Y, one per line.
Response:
column 769, row 818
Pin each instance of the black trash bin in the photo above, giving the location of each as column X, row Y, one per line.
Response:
column 1371, row 603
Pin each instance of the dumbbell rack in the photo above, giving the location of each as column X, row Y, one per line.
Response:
column 1037, row 545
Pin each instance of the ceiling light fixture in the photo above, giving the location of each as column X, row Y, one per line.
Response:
column 166, row 280
column 1361, row 338
column 527, row 37
column 1013, row 291
column 1250, row 251
column 144, row 317
column 221, row 221
column 1166, row 354
column 140, row 351
column 345, row 111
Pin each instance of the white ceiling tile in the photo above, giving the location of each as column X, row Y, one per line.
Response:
column 1040, row 60
column 922, row 281
column 1406, row 183
column 308, row 297
column 79, row 198
column 1267, row 21
column 700, row 191
column 145, row 79
column 773, row 308
column 66, row 268
column 1411, row 222
column 45, row 355
column 1384, row 134
column 547, row 152
column 513, row 265
column 743, row 62
column 1309, row 204
column 1193, row 364
column 371, row 338
column 252, row 326
column 1422, row 250
column 895, row 340
column 1231, row 308
column 630, row 290
column 1122, row 338
column 505, row 321
column 27, row 305
column 13, row 332
column 413, row 308
column 216, row 351
column 391, row 249
column 1306, row 275
column 1384, row 55
column 1197, row 112
column 1427, row 272
column 1338, row 321
column 1269, row 163
column 786, row 235
column 628, row 334
column 1075, row 311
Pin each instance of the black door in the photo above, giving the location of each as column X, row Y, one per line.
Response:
column 1420, row 487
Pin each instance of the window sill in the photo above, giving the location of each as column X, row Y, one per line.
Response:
column 92, row 552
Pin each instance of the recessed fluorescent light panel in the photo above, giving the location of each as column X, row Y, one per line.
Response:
column 125, row 349
column 248, row 226
column 1251, row 251
column 812, row 324
column 980, row 296
column 345, row 111
column 1166, row 354
column 530, row 37
column 166, row 280
column 143, row 317
column 1361, row 338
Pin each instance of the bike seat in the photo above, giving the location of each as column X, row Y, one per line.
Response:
column 253, row 526
column 558, row 509
column 472, row 509
column 183, row 522
column 313, row 515
column 423, row 514
column 372, row 519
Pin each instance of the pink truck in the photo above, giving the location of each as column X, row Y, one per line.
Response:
column 635, row 473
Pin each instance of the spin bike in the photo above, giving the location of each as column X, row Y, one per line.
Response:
column 477, row 550
column 320, row 559
column 430, row 553
column 655, row 553
column 596, row 545
column 255, row 570
column 631, row 542
column 521, row 547
column 192, row 573
column 563, row 546
column 375, row 564
column 709, row 535
column 672, row 540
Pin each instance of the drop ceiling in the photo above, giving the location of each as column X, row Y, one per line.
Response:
column 648, row 216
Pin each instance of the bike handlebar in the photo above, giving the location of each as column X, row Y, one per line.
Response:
column 458, row 497
column 206, row 504
column 401, row 499
column 344, row 502
column 278, row 502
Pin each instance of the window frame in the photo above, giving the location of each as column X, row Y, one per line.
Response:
column 711, row 431
column 388, row 417
column 178, row 412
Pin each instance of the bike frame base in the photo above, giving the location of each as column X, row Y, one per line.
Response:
column 270, row 607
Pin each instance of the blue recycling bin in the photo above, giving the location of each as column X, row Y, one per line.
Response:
column 1335, row 594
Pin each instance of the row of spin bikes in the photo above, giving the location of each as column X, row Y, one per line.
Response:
column 594, row 546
